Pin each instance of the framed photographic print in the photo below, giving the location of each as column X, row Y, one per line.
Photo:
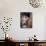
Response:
column 26, row 19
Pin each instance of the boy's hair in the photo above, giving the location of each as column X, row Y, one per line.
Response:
column 25, row 14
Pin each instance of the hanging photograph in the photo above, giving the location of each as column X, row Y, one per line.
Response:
column 26, row 19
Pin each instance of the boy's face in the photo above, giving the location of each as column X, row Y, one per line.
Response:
column 24, row 19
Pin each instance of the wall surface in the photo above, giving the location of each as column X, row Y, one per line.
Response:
column 12, row 8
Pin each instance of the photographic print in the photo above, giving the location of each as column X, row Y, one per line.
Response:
column 26, row 19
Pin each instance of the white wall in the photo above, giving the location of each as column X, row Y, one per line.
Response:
column 12, row 8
